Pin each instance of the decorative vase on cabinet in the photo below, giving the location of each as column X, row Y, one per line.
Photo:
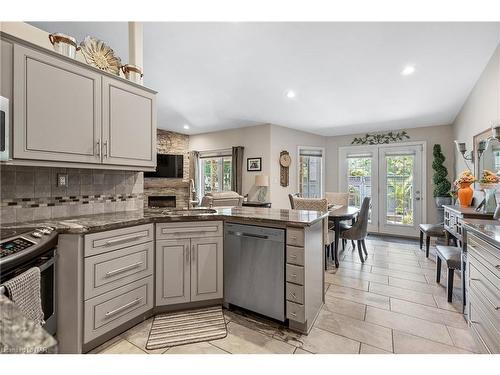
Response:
column 465, row 194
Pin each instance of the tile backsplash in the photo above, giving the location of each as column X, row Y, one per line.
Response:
column 31, row 193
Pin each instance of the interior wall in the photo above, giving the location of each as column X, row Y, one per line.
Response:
column 256, row 141
column 432, row 134
column 288, row 139
column 481, row 108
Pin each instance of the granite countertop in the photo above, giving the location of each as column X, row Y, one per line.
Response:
column 101, row 222
column 489, row 230
column 18, row 334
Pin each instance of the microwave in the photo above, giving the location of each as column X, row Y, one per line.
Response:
column 4, row 129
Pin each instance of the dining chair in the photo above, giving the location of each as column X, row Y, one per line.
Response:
column 341, row 199
column 315, row 204
column 359, row 229
column 290, row 197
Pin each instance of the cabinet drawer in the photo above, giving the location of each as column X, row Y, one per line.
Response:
column 483, row 288
column 110, row 310
column 295, row 236
column 487, row 254
column 295, row 293
column 295, row 255
column 296, row 312
column 117, row 268
column 295, row 274
column 97, row 243
column 486, row 330
column 167, row 231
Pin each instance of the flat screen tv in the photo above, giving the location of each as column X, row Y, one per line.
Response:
column 168, row 166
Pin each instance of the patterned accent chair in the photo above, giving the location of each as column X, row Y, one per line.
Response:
column 222, row 199
column 337, row 199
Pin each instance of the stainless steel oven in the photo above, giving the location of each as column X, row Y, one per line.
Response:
column 21, row 250
column 4, row 129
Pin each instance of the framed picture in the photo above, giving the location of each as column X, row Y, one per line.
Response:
column 254, row 164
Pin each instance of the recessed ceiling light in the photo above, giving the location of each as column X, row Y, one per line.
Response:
column 408, row 70
column 186, row 126
column 290, row 94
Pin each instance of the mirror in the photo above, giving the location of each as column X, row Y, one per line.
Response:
column 490, row 158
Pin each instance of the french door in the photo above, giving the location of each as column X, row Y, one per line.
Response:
column 393, row 177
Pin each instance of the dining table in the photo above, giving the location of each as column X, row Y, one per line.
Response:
column 336, row 214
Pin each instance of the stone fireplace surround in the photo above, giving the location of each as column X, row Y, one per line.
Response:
column 174, row 144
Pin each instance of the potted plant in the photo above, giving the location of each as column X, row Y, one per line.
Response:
column 442, row 186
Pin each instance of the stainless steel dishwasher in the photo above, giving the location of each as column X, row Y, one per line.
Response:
column 254, row 269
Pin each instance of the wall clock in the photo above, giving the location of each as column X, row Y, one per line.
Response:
column 285, row 162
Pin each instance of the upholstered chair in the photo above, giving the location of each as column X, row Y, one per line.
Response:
column 337, row 199
column 359, row 229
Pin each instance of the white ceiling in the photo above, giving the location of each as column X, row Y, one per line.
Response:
column 347, row 78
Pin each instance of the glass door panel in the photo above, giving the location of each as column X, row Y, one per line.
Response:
column 400, row 172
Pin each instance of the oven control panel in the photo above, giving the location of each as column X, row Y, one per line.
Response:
column 14, row 245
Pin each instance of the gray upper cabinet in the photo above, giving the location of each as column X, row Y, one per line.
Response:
column 129, row 124
column 66, row 113
column 57, row 109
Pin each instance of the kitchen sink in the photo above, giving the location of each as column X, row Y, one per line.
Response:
column 189, row 212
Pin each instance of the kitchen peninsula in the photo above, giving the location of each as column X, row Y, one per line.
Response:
column 122, row 268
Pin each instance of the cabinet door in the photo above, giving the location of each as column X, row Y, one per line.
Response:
column 206, row 268
column 172, row 272
column 129, row 125
column 57, row 109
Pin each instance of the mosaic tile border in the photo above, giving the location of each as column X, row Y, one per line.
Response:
column 67, row 200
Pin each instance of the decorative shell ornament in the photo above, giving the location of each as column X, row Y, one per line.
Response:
column 98, row 54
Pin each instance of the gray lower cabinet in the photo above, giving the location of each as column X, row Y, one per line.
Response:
column 483, row 287
column 118, row 278
column 188, row 269
column 57, row 109
column 173, row 271
column 206, row 268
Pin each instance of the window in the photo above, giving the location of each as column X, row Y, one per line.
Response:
column 310, row 172
column 215, row 173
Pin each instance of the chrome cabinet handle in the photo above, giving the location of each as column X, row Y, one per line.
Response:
column 293, row 314
column 105, row 144
column 121, row 308
column 98, row 148
column 123, row 269
column 123, row 239
column 293, row 256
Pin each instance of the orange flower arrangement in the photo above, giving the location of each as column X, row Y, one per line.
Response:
column 489, row 178
column 466, row 177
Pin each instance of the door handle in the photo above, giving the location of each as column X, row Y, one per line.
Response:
column 105, row 145
column 98, row 153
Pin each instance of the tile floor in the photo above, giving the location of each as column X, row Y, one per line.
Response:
column 389, row 304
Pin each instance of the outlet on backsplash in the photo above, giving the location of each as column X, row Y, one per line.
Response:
column 38, row 193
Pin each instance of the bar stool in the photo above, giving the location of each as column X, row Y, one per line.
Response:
column 430, row 230
column 452, row 256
